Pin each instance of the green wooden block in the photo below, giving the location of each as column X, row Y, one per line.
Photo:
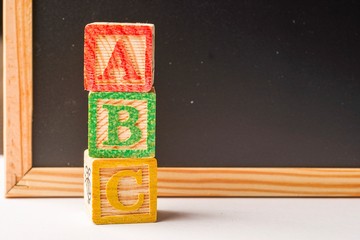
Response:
column 122, row 124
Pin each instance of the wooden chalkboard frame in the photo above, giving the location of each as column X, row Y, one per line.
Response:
column 22, row 180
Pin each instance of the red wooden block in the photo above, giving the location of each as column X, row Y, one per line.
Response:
column 119, row 57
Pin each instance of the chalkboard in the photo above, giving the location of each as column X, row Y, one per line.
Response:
column 239, row 83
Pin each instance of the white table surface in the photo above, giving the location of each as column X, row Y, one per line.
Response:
column 186, row 218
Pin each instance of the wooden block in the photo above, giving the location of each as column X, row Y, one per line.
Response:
column 119, row 57
column 120, row 190
column 122, row 125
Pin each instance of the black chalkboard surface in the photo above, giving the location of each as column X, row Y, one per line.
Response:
column 239, row 83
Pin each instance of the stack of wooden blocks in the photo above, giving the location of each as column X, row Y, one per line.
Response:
column 120, row 171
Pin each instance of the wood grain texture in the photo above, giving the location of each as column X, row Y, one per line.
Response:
column 122, row 190
column 122, row 124
column 208, row 182
column 118, row 57
column 17, row 89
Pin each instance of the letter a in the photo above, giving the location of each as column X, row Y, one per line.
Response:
column 120, row 59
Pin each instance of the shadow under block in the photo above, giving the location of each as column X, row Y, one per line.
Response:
column 122, row 125
column 119, row 57
column 120, row 190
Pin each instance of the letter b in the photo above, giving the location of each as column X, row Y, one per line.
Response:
column 114, row 123
column 121, row 125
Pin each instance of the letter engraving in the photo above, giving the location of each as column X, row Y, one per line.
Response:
column 120, row 59
column 112, row 190
column 114, row 124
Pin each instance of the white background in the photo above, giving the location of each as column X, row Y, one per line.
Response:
column 186, row 218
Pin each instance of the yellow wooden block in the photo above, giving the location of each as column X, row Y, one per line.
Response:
column 120, row 190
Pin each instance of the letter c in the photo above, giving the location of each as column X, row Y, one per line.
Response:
column 112, row 190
